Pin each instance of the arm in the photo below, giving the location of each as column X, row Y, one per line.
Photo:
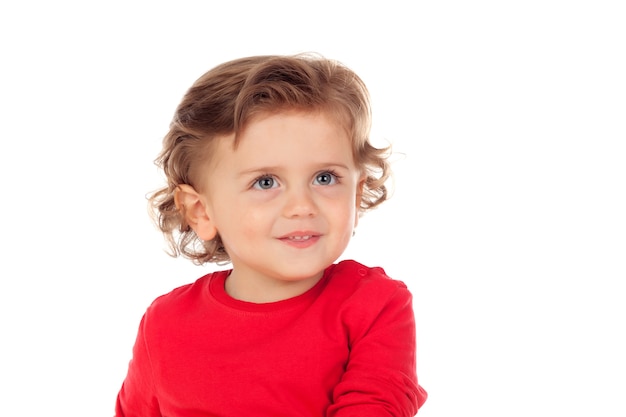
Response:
column 137, row 397
column 380, row 377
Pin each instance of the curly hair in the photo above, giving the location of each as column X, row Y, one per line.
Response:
column 220, row 103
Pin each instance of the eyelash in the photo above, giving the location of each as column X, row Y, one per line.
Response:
column 331, row 172
column 255, row 182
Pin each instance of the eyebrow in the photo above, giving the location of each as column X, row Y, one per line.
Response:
column 270, row 169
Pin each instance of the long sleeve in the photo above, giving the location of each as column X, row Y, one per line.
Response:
column 344, row 348
column 137, row 397
column 380, row 377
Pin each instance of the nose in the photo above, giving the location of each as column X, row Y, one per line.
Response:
column 299, row 202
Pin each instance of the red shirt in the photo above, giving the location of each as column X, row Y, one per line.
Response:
column 346, row 347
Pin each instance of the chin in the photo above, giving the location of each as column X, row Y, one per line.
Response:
column 303, row 272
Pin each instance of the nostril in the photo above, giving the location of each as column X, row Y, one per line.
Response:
column 300, row 203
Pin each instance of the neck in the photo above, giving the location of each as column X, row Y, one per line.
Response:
column 259, row 290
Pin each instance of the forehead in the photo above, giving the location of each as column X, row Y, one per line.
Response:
column 306, row 134
column 318, row 119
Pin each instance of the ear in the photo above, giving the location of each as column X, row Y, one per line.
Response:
column 193, row 207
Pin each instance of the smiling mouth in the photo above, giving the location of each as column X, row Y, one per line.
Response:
column 299, row 238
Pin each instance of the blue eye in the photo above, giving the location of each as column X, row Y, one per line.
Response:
column 326, row 178
column 265, row 182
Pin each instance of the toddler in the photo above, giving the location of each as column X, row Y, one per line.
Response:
column 269, row 167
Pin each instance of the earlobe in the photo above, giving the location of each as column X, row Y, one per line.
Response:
column 194, row 211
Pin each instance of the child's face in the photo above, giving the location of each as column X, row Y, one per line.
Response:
column 285, row 200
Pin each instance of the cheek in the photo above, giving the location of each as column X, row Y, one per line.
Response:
column 251, row 222
column 238, row 228
column 342, row 212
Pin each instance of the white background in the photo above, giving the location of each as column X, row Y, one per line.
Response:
column 507, row 222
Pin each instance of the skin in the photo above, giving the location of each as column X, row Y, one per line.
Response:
column 284, row 201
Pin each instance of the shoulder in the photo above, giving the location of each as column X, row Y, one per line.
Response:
column 354, row 276
column 365, row 287
column 183, row 299
column 366, row 297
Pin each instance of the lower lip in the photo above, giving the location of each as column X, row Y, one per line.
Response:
column 301, row 244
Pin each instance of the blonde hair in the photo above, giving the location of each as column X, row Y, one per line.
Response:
column 220, row 103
